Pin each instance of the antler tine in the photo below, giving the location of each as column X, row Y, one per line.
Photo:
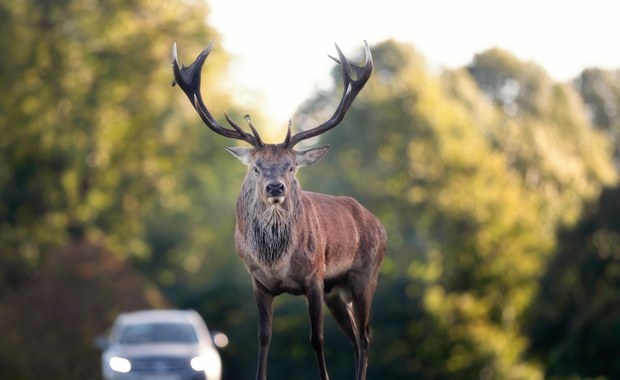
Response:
column 188, row 79
column 254, row 131
column 351, row 89
column 256, row 136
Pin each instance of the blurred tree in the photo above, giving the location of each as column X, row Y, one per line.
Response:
column 600, row 90
column 544, row 132
column 574, row 323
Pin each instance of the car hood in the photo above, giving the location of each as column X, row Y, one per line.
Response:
column 137, row 350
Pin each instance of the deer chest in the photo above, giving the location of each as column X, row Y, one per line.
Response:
column 270, row 242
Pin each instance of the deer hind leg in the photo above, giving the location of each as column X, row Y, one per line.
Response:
column 361, row 293
column 341, row 309
column 314, row 295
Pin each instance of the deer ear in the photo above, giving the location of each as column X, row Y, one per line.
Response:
column 310, row 156
column 243, row 154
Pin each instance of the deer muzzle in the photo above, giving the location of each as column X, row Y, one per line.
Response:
column 275, row 192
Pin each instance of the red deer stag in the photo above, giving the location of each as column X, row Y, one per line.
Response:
column 327, row 248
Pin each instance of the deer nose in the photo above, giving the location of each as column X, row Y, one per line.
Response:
column 275, row 189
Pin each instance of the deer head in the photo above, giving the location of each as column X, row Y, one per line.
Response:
column 272, row 168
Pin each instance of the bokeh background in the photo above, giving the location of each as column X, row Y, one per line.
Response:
column 497, row 183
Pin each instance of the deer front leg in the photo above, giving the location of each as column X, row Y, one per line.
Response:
column 314, row 295
column 264, row 302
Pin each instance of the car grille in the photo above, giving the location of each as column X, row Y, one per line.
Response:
column 159, row 365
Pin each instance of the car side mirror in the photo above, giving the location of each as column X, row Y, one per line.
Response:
column 219, row 339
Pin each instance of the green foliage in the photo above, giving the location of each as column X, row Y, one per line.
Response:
column 600, row 91
column 544, row 133
column 578, row 332
column 82, row 146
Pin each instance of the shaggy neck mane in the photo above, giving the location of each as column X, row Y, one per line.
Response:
column 270, row 227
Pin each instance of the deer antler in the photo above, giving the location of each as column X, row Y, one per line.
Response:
column 351, row 89
column 188, row 79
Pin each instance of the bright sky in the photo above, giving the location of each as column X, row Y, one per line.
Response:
column 279, row 47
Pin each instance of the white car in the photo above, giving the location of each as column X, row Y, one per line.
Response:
column 160, row 345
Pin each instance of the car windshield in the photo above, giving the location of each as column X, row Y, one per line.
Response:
column 158, row 333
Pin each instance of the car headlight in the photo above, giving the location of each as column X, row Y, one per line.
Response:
column 209, row 362
column 121, row 365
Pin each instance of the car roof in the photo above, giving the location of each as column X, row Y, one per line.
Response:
column 168, row 316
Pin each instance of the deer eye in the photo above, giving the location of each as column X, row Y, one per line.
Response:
column 291, row 168
column 255, row 169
